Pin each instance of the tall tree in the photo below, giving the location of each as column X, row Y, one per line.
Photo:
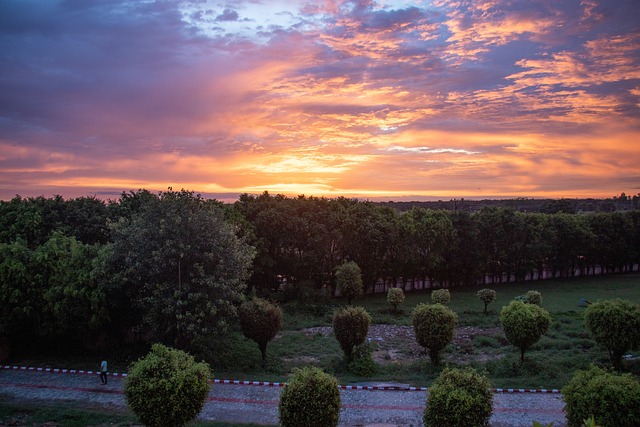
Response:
column 182, row 265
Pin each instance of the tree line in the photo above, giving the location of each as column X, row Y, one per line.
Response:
column 302, row 240
column 173, row 267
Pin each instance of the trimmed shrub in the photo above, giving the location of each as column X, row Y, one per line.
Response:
column 441, row 296
column 395, row 297
column 615, row 325
column 434, row 325
column 311, row 398
column 349, row 281
column 612, row 399
column 531, row 297
column 166, row 387
column 487, row 296
column 350, row 327
column 260, row 321
column 459, row 397
column 524, row 324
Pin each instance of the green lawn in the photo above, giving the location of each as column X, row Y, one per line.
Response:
column 549, row 363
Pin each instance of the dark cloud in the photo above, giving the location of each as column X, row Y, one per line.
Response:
column 227, row 15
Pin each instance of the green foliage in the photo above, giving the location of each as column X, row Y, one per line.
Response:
column 531, row 297
column 395, row 297
column 166, row 387
column 350, row 327
column 177, row 247
column 459, row 397
column 614, row 324
column 612, row 399
column 349, row 280
column 537, row 424
column 524, row 324
column 51, row 292
column 310, row 399
column 361, row 363
column 260, row 321
column 434, row 326
column 590, row 422
column 487, row 296
column 441, row 296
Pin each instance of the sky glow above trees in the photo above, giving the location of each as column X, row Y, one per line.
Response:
column 390, row 99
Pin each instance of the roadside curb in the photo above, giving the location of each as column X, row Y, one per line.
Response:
column 274, row 384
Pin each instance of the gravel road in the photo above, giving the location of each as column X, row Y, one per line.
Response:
column 259, row 404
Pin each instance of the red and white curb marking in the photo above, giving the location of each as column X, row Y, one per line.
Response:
column 274, row 384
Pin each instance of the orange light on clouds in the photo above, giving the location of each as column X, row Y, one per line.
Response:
column 388, row 99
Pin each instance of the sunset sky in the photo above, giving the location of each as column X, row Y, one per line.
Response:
column 371, row 99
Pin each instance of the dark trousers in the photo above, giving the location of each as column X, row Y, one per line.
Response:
column 103, row 377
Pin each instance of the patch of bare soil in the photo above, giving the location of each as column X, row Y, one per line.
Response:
column 397, row 344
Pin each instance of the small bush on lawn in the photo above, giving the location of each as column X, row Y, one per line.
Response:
column 349, row 281
column 166, row 387
column 260, row 321
column 615, row 325
column 311, row 398
column 350, row 327
column 612, row 399
column 487, row 296
column 524, row 324
column 434, row 326
column 531, row 297
column 441, row 296
column 459, row 397
column 395, row 297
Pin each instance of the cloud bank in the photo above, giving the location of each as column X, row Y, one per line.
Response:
column 358, row 98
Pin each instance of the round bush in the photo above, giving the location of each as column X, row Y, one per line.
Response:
column 260, row 321
column 434, row 326
column 615, row 325
column 459, row 397
column 531, row 297
column 487, row 296
column 349, row 280
column 311, row 398
column 612, row 399
column 524, row 324
column 166, row 387
column 395, row 297
column 350, row 327
column 441, row 296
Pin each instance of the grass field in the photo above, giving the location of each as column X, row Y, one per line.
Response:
column 549, row 363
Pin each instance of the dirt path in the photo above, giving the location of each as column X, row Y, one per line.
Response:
column 259, row 404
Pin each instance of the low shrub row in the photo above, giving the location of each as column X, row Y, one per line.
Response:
column 167, row 387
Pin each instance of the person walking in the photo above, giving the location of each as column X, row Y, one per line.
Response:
column 103, row 372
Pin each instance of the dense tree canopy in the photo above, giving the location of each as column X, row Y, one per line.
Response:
column 181, row 265
column 121, row 261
